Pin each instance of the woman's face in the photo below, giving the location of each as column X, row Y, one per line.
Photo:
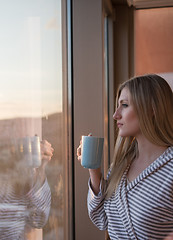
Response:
column 125, row 115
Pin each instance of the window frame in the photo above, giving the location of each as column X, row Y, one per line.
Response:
column 67, row 66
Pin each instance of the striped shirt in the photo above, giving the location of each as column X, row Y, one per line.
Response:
column 141, row 209
column 18, row 215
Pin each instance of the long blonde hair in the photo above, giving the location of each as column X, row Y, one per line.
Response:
column 152, row 98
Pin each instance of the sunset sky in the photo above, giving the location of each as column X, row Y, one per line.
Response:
column 30, row 59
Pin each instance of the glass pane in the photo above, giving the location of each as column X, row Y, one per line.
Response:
column 31, row 187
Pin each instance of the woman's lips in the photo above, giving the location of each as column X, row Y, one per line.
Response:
column 119, row 125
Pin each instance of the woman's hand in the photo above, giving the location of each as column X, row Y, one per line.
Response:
column 95, row 174
column 169, row 237
column 79, row 151
column 46, row 152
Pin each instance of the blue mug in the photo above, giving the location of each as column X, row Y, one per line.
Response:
column 91, row 152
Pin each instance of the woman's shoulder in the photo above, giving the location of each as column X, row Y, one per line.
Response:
column 168, row 154
column 169, row 150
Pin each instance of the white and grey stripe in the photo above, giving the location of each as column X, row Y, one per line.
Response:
column 142, row 209
column 18, row 214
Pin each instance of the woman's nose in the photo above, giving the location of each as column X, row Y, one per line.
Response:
column 116, row 115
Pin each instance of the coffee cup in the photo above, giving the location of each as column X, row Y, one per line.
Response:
column 91, row 151
column 29, row 150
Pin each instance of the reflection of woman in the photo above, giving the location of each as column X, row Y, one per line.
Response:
column 24, row 198
column 136, row 201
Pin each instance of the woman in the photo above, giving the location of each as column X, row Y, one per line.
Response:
column 136, row 200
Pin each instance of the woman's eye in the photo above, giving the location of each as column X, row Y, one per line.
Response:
column 125, row 105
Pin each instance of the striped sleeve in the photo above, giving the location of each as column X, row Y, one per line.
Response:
column 39, row 206
column 95, row 204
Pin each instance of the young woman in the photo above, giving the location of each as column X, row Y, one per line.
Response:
column 136, row 200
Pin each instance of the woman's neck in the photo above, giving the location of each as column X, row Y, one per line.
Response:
column 148, row 151
column 147, row 154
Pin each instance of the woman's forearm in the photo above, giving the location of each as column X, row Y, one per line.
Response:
column 95, row 176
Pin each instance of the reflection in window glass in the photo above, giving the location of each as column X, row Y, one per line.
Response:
column 31, row 185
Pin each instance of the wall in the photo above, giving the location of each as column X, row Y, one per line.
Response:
column 123, row 44
column 88, row 100
column 153, row 38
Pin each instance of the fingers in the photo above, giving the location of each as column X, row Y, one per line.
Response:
column 78, row 152
column 46, row 150
column 79, row 158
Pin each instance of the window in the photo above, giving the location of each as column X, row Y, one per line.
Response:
column 32, row 108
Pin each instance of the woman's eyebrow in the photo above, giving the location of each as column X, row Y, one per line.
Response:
column 123, row 100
